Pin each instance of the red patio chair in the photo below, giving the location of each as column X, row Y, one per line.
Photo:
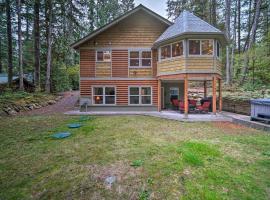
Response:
column 181, row 106
column 205, row 107
column 192, row 102
column 175, row 103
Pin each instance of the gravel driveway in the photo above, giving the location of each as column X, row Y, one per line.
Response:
column 67, row 103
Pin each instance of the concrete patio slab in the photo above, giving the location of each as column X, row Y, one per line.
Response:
column 245, row 121
column 173, row 115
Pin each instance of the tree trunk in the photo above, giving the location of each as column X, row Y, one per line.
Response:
column 251, row 39
column 49, row 45
column 239, row 25
column 228, row 30
column 9, row 38
column 249, row 23
column 37, row 45
column 20, row 44
column 27, row 22
column 1, row 62
column 214, row 13
column 228, row 74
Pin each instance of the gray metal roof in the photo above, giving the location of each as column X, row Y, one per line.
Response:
column 187, row 22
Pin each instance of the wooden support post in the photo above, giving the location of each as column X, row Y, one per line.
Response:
column 220, row 94
column 186, row 95
column 214, row 96
column 159, row 95
column 205, row 89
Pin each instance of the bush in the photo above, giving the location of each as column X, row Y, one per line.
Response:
column 73, row 75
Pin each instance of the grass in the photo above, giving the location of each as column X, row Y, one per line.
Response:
column 152, row 159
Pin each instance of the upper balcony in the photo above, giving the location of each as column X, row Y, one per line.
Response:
column 190, row 56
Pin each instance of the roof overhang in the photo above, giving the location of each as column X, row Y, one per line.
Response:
column 76, row 44
column 195, row 35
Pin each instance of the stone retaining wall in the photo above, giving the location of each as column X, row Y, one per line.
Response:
column 236, row 106
column 12, row 108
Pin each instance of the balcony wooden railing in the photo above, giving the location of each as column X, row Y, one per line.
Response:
column 189, row 65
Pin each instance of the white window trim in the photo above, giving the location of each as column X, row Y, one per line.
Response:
column 200, row 55
column 103, row 103
column 140, row 50
column 103, row 55
column 140, row 100
column 171, row 57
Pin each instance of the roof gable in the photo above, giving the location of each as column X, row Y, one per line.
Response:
column 187, row 22
column 116, row 21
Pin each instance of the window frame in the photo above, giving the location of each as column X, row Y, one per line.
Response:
column 201, row 55
column 140, row 50
column 174, row 88
column 140, row 95
column 171, row 57
column 99, row 50
column 103, row 95
column 218, row 49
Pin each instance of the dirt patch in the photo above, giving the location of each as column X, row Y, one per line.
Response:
column 127, row 178
column 231, row 128
column 67, row 103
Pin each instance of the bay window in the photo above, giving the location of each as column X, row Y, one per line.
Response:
column 166, row 52
column 140, row 58
column 140, row 95
column 201, row 47
column 194, row 47
column 103, row 56
column 177, row 49
column 172, row 50
column 207, row 47
column 103, row 95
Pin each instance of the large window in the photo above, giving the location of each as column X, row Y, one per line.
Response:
column 171, row 50
column 140, row 95
column 166, row 52
column 200, row 47
column 177, row 49
column 207, row 47
column 103, row 56
column 103, row 95
column 140, row 58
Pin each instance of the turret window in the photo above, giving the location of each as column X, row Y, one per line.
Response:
column 171, row 50
column 201, row 47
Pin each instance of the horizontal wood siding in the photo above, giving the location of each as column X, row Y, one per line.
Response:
column 140, row 72
column 138, row 30
column 154, row 61
column 219, row 66
column 120, row 63
column 200, row 63
column 121, row 88
column 87, row 63
column 103, row 69
column 170, row 66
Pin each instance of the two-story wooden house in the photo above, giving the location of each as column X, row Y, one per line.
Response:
column 138, row 60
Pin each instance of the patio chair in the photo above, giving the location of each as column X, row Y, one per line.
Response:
column 204, row 107
column 192, row 102
column 175, row 103
column 181, row 106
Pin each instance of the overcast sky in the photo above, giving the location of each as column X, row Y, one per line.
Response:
column 158, row 6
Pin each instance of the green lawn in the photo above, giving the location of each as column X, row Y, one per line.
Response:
column 151, row 158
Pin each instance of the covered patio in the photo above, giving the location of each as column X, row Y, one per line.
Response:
column 173, row 89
